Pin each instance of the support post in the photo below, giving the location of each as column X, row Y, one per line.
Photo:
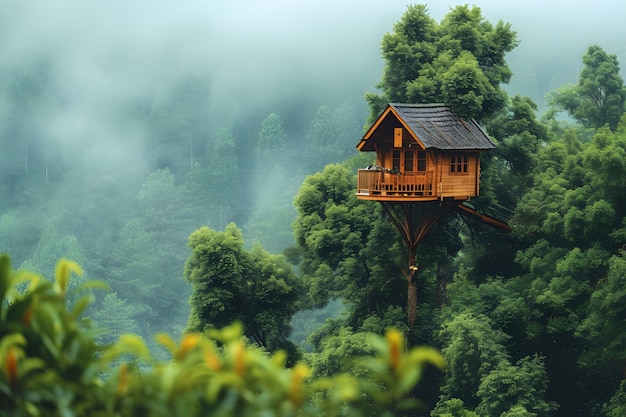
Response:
column 414, row 221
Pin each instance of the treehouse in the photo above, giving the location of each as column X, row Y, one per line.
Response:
column 424, row 152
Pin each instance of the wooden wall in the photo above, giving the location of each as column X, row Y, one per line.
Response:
column 458, row 185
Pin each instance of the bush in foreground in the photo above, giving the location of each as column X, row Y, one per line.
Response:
column 50, row 365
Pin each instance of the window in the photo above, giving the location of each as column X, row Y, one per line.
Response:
column 408, row 160
column 459, row 164
column 395, row 161
column 421, row 161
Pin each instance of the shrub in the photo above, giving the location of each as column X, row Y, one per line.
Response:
column 50, row 365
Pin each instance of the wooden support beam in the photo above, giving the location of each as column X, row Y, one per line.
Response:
column 414, row 221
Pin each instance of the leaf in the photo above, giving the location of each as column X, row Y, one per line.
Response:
column 425, row 354
column 63, row 272
column 5, row 277
column 80, row 305
column 166, row 341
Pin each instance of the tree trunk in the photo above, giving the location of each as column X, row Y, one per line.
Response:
column 411, row 295
column 442, row 284
column 411, row 301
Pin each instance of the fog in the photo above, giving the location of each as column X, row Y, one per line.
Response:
column 95, row 96
column 260, row 53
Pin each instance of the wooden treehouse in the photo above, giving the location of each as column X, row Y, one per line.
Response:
column 427, row 163
column 424, row 152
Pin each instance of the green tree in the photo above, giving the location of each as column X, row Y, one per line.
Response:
column 114, row 318
column 570, row 223
column 223, row 182
column 232, row 284
column 272, row 137
column 23, row 141
column 459, row 62
column 135, row 274
column 274, row 185
column 347, row 248
column 165, row 223
column 337, row 352
column 19, row 234
column 178, row 124
column 598, row 98
column 520, row 136
column 603, row 326
column 616, row 407
column 517, row 387
column 348, row 128
column 472, row 349
column 453, row 408
column 50, row 248
column 320, row 146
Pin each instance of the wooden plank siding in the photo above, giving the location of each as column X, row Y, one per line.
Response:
column 459, row 184
column 424, row 152
column 378, row 183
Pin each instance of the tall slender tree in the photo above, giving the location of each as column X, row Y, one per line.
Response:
column 599, row 96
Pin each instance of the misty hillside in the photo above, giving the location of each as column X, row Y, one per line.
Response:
column 127, row 127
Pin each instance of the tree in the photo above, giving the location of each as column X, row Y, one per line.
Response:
column 572, row 232
column 223, row 182
column 348, row 128
column 320, row 147
column 272, row 137
column 459, row 62
column 19, row 234
column 330, row 359
column 273, row 187
column 23, row 141
column 515, row 387
column 178, row 124
column 165, row 223
column 114, row 318
column 603, row 326
column 347, row 249
column 598, row 98
column 50, row 248
column 520, row 136
column 135, row 273
column 232, row 284
column 472, row 349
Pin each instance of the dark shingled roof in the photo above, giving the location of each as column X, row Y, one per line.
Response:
column 438, row 127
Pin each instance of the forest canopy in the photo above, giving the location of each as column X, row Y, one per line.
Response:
column 198, row 212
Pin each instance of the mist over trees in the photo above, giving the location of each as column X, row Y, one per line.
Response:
column 208, row 178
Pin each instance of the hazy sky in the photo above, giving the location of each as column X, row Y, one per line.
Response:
column 110, row 51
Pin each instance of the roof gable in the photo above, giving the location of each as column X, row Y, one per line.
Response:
column 433, row 126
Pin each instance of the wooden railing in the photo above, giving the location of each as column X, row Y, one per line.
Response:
column 388, row 183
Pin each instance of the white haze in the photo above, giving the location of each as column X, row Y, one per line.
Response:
column 256, row 54
column 108, row 52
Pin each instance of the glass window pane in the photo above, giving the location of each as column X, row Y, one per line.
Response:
column 396, row 161
column 421, row 161
column 408, row 160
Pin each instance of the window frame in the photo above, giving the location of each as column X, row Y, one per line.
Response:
column 459, row 164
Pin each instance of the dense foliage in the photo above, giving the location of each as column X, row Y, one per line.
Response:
column 51, row 365
column 459, row 61
column 231, row 284
column 533, row 323
column 530, row 323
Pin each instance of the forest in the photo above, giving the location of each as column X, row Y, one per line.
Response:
column 196, row 213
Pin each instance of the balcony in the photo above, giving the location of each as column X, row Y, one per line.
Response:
column 385, row 185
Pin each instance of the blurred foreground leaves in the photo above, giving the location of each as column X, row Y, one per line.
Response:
column 51, row 365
